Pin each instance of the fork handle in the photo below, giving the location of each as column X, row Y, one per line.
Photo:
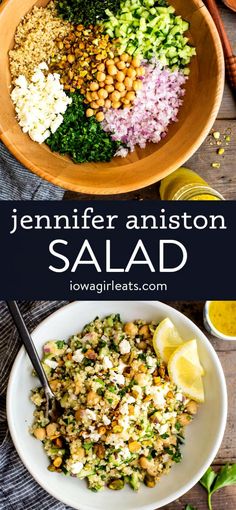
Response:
column 28, row 343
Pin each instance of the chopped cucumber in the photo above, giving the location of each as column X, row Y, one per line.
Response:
column 150, row 30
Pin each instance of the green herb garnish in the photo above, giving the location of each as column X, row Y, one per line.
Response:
column 85, row 11
column 212, row 481
column 87, row 446
column 80, row 137
column 60, row 344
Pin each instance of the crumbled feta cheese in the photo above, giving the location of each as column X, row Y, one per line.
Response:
column 169, row 415
column 106, row 420
column 130, row 399
column 78, row 356
column 152, row 363
column 179, row 397
column 95, row 437
column 124, row 409
column 138, row 390
column 124, row 347
column 40, row 103
column 124, row 422
column 166, row 458
column 76, row 468
column 50, row 363
column 163, row 428
column 120, row 367
column 43, row 65
column 90, row 414
column 158, row 397
column 125, row 453
column 107, row 362
column 118, row 379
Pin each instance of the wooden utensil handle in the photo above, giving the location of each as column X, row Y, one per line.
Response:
column 213, row 9
column 230, row 63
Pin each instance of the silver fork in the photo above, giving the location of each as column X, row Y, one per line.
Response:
column 53, row 408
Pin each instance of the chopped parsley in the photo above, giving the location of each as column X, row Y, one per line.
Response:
column 81, row 137
column 85, row 11
column 60, row 344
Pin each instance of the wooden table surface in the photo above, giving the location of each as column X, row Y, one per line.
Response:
column 225, row 499
column 223, row 179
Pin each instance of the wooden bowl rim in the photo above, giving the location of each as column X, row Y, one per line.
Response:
column 145, row 180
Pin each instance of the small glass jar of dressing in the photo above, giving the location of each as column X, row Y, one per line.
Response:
column 185, row 184
column 219, row 319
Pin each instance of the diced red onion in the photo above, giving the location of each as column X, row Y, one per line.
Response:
column 156, row 105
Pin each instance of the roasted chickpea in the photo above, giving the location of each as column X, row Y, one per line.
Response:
column 131, row 73
column 128, row 83
column 94, row 96
column 121, row 65
column 101, row 67
column 135, row 62
column 40, row 434
column 120, row 86
column 112, row 70
column 89, row 112
column 100, row 116
column 184, row 419
column 120, row 76
column 110, row 62
column 94, row 105
column 100, row 102
column 102, row 94
column 140, row 71
column 137, row 85
column 125, row 101
column 107, row 103
column 144, row 330
column 192, row 407
column 109, row 80
column 94, row 86
column 101, row 76
column 116, row 104
column 51, row 429
column 124, row 57
column 130, row 328
column 115, row 96
column 110, row 88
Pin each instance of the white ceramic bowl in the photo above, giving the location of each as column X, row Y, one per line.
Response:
column 211, row 328
column 203, row 436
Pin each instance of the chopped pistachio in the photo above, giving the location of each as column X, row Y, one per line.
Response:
column 216, row 135
column 215, row 165
column 221, row 151
column 227, row 138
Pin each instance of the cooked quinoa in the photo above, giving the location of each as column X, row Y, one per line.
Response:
column 122, row 418
column 35, row 40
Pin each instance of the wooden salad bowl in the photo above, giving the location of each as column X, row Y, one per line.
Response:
column 145, row 166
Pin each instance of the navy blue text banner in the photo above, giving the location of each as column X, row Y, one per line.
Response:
column 117, row 250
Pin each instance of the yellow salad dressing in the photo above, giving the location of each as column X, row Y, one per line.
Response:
column 222, row 315
column 185, row 184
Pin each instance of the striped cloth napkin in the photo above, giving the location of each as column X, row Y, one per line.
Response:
column 18, row 490
column 18, row 183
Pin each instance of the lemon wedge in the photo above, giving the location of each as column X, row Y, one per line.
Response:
column 186, row 372
column 166, row 339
